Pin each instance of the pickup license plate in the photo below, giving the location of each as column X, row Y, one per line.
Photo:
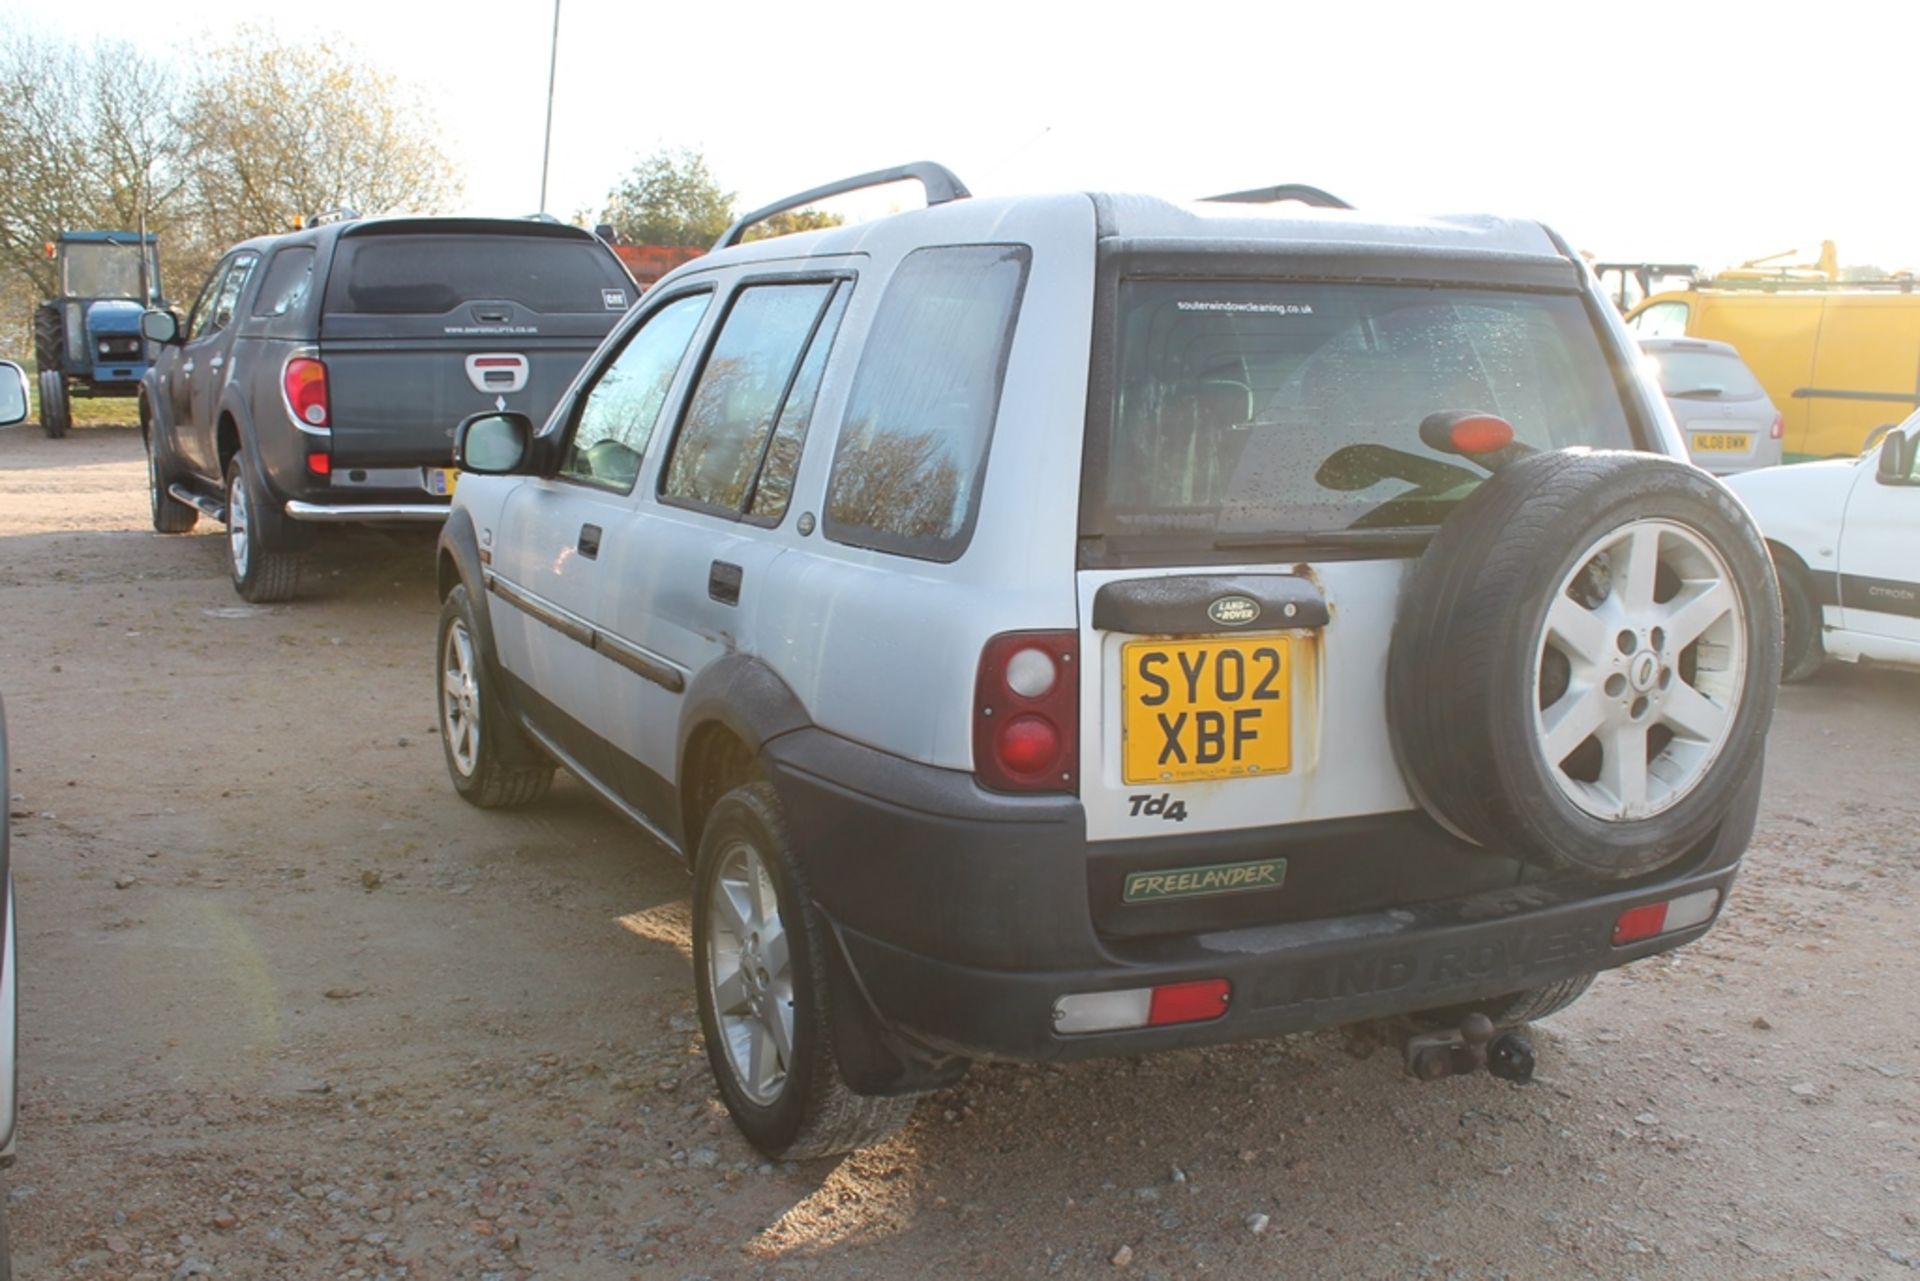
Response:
column 441, row 481
column 1723, row 442
column 1192, row 710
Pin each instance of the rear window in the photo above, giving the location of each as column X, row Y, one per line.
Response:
column 419, row 275
column 1704, row 374
column 1246, row 411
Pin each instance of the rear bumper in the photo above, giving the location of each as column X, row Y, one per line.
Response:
column 352, row 513
column 964, row 916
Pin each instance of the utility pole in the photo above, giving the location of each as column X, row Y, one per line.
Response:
column 553, row 68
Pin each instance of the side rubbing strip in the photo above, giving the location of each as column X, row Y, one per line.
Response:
column 633, row 657
column 568, row 625
column 636, row 659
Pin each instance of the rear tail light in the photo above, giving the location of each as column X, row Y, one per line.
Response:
column 1026, row 712
column 305, row 385
column 1651, row 920
column 1196, row 1002
column 1778, row 429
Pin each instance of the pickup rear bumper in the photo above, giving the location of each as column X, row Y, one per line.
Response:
column 964, row 918
column 344, row 513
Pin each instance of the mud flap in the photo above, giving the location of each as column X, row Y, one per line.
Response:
column 874, row 1058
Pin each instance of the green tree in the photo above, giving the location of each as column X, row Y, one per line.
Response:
column 792, row 220
column 669, row 198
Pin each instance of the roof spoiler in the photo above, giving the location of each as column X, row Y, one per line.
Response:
column 940, row 182
column 1298, row 191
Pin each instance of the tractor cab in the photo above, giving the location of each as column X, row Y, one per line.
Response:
column 87, row 338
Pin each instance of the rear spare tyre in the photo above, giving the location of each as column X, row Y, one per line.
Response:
column 1585, row 661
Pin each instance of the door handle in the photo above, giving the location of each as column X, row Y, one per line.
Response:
column 187, row 368
column 723, row 582
column 589, row 543
column 216, row 362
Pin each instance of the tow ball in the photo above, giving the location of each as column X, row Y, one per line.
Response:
column 1475, row 1044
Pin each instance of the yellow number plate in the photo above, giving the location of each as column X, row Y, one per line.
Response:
column 1205, row 709
column 1723, row 442
column 442, row 480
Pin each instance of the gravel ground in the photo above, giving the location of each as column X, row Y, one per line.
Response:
column 291, row 1010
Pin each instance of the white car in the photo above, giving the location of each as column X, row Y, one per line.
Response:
column 1845, row 536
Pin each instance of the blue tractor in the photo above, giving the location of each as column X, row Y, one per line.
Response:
column 87, row 338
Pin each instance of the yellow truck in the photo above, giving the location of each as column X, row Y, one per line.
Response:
column 1840, row 358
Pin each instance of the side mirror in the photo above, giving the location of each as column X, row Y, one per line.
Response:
column 1896, row 459
column 493, row 444
column 13, row 394
column 161, row 326
column 1876, row 436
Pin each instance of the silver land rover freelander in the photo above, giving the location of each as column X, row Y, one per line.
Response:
column 1086, row 624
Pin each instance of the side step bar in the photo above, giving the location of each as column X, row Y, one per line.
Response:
column 207, row 506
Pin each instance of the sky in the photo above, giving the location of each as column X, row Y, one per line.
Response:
column 1676, row 131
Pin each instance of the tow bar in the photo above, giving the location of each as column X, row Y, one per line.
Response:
column 1473, row 1045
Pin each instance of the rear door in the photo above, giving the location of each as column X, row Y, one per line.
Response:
column 422, row 326
column 1775, row 336
column 203, row 366
column 1866, row 370
column 692, row 561
column 1255, row 490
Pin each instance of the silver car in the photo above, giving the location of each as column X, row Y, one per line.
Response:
column 13, row 410
column 1729, row 422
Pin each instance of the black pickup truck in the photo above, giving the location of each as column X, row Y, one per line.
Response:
column 320, row 374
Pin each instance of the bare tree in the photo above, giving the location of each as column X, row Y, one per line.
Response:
column 274, row 130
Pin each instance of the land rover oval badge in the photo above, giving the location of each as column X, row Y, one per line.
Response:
column 1233, row 611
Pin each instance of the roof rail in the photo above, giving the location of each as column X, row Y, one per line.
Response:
column 1299, row 191
column 940, row 182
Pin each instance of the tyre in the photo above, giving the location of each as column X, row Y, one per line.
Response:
column 56, row 412
column 1802, row 648
column 49, row 337
column 170, row 515
column 765, row 995
column 1585, row 662
column 262, row 573
column 473, row 728
column 1514, row 1008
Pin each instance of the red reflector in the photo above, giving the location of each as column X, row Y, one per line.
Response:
column 1194, row 1002
column 1481, row 434
column 1779, row 428
column 1028, row 744
column 1638, row 923
column 320, row 464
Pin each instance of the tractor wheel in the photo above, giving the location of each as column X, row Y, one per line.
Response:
column 56, row 411
column 49, row 337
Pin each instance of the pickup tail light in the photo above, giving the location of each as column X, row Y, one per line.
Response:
column 1026, row 713
column 305, row 384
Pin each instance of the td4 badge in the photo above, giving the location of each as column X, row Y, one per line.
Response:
column 1163, row 806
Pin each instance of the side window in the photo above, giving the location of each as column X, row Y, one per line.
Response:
column 619, row 410
column 228, row 298
column 1662, row 320
column 750, row 379
column 775, row 486
column 200, row 324
column 289, row 277
column 913, row 445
